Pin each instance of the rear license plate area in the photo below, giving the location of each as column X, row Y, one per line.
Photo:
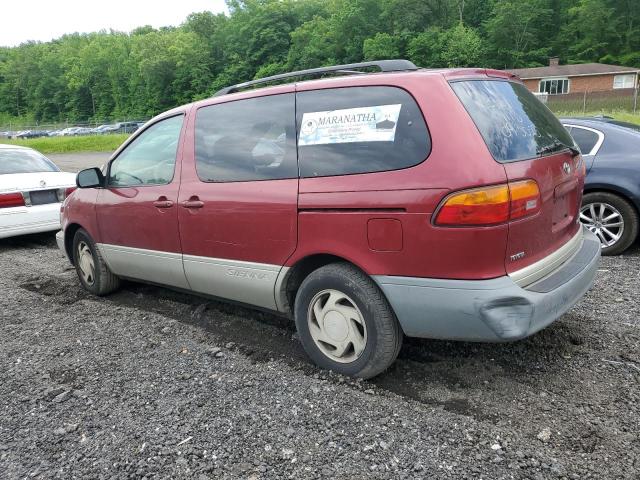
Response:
column 565, row 208
column 43, row 197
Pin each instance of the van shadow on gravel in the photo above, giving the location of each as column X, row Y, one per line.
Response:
column 451, row 375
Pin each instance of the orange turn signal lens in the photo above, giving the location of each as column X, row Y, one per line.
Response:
column 490, row 205
column 525, row 199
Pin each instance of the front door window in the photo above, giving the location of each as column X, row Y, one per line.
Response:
column 150, row 159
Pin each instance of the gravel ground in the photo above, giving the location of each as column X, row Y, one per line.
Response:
column 152, row 383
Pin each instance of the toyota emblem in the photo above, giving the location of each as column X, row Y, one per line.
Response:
column 567, row 168
column 43, row 183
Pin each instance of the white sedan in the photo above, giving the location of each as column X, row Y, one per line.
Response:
column 32, row 188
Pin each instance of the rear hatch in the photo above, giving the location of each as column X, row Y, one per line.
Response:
column 530, row 142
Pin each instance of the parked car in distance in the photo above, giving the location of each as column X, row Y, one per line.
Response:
column 32, row 189
column 31, row 134
column 611, row 202
column 80, row 131
column 125, row 127
column 64, row 132
column 103, row 129
column 366, row 207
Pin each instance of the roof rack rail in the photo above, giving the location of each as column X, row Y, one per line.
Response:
column 348, row 69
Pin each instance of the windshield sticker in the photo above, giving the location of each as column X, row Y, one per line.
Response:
column 365, row 124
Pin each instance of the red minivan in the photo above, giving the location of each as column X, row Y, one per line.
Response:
column 428, row 203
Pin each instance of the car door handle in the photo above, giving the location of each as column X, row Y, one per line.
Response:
column 163, row 203
column 193, row 203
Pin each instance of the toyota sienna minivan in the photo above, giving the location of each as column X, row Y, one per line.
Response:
column 428, row 203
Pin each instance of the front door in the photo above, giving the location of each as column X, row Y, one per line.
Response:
column 238, row 200
column 137, row 211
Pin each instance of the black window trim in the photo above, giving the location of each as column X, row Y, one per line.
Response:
column 399, row 87
column 231, row 100
column 133, row 138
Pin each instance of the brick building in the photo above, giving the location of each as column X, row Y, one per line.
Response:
column 559, row 79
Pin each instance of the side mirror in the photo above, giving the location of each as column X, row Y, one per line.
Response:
column 90, row 178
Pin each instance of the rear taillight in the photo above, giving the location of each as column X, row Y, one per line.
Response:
column 480, row 206
column 8, row 200
column 491, row 205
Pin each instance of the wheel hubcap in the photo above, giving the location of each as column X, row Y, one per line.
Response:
column 604, row 220
column 337, row 326
column 85, row 262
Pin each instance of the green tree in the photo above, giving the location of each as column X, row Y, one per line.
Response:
column 513, row 32
column 82, row 77
column 425, row 49
column 312, row 45
column 463, row 47
column 459, row 46
column 381, row 46
column 594, row 30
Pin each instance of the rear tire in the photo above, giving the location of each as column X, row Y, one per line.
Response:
column 611, row 205
column 345, row 322
column 92, row 270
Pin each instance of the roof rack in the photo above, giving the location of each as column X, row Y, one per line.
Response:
column 349, row 69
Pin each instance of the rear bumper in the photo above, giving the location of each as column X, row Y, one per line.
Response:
column 24, row 220
column 60, row 242
column 493, row 310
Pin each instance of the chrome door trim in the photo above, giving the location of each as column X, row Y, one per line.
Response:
column 542, row 268
column 142, row 264
column 247, row 282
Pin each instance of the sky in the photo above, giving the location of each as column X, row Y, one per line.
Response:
column 44, row 20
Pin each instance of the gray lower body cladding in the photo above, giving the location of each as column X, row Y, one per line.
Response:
column 490, row 310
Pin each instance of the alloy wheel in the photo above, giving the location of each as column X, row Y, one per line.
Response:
column 604, row 220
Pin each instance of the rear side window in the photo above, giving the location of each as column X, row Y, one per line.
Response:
column 586, row 139
column 244, row 140
column 515, row 125
column 359, row 130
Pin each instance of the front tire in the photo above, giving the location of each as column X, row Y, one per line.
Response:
column 612, row 218
column 345, row 323
column 93, row 272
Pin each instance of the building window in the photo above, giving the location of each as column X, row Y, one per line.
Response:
column 554, row 86
column 624, row 81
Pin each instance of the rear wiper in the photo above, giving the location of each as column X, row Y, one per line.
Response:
column 556, row 146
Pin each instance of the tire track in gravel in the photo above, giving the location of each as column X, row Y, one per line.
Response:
column 453, row 375
column 575, row 377
column 261, row 336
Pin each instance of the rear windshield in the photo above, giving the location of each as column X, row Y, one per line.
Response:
column 24, row 161
column 515, row 125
